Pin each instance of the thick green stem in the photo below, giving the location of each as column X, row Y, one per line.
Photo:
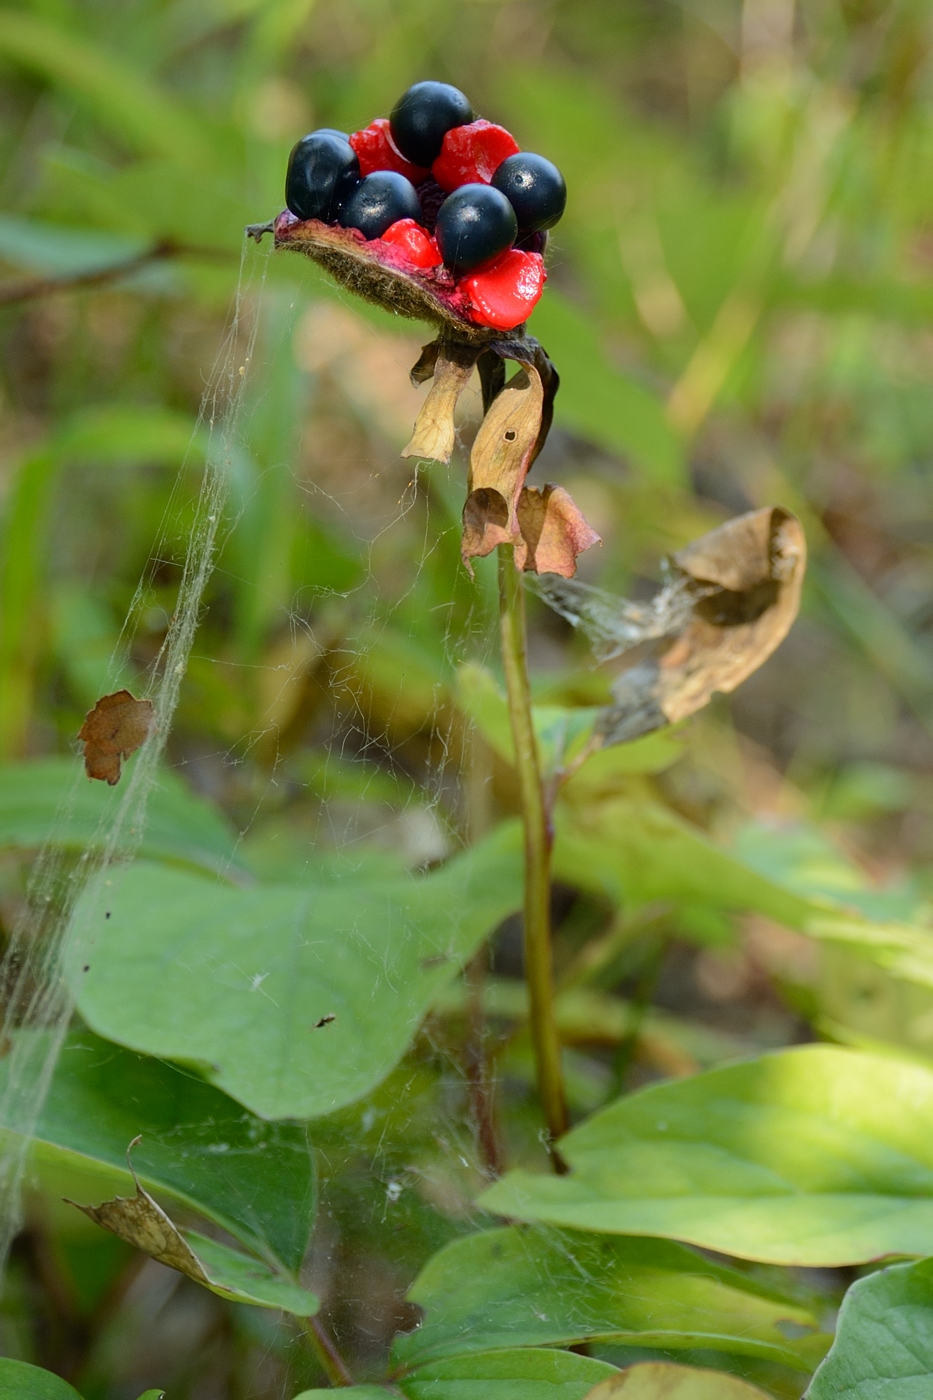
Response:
column 536, row 818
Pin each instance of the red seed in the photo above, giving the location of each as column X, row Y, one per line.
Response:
column 375, row 151
column 417, row 245
column 506, row 292
column 472, row 154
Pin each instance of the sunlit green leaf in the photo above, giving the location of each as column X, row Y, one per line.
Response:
column 884, row 1339
column 814, row 1155
column 521, row 1287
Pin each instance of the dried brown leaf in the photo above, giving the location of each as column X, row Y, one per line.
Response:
column 435, row 432
column 502, row 453
column 744, row 579
column 141, row 1222
column 116, row 727
column 553, row 531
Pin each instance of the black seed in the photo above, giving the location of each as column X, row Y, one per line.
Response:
column 422, row 117
column 432, row 197
column 322, row 172
column 475, row 224
column 379, row 201
column 332, row 131
column 535, row 189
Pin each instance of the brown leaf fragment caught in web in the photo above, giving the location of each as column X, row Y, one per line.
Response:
column 141, row 1222
column 451, row 364
column 729, row 601
column 117, row 726
column 553, row 531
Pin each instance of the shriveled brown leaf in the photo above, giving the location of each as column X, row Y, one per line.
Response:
column 435, row 432
column 745, row 580
column 499, row 462
column 730, row 600
column 116, row 727
column 553, row 531
column 141, row 1222
column 662, row 1380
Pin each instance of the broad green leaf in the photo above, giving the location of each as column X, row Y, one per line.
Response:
column 884, row 1339
column 659, row 1380
column 293, row 1000
column 254, row 1179
column 815, row 1155
column 50, row 800
column 520, row 1287
column 507, row 1375
column 20, row 1381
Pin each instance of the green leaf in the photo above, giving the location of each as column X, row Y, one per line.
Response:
column 60, row 250
column 633, row 851
column 563, row 732
column 352, row 1392
column 884, row 1339
column 520, row 1287
column 50, row 800
column 254, row 1179
column 122, row 97
column 293, row 1000
column 243, row 1280
column 660, row 1380
column 507, row 1375
column 598, row 401
column 20, row 1381
column 496, row 1375
column 816, row 1155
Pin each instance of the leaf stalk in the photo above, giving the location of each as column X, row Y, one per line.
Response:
column 539, row 971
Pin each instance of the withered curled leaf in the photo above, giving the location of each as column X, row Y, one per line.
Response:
column 142, row 1222
column 499, row 462
column 729, row 601
column 452, row 364
column 117, row 726
column 553, row 531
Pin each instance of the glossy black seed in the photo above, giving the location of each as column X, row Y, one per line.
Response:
column 323, row 171
column 379, row 201
column 474, row 224
column 422, row 117
column 535, row 189
column 331, row 131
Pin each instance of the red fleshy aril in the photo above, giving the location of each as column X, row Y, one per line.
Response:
column 375, row 151
column 414, row 242
column 505, row 292
column 471, row 155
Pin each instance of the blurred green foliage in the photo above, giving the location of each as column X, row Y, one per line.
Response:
column 739, row 304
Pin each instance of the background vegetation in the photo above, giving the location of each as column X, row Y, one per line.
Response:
column 739, row 305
